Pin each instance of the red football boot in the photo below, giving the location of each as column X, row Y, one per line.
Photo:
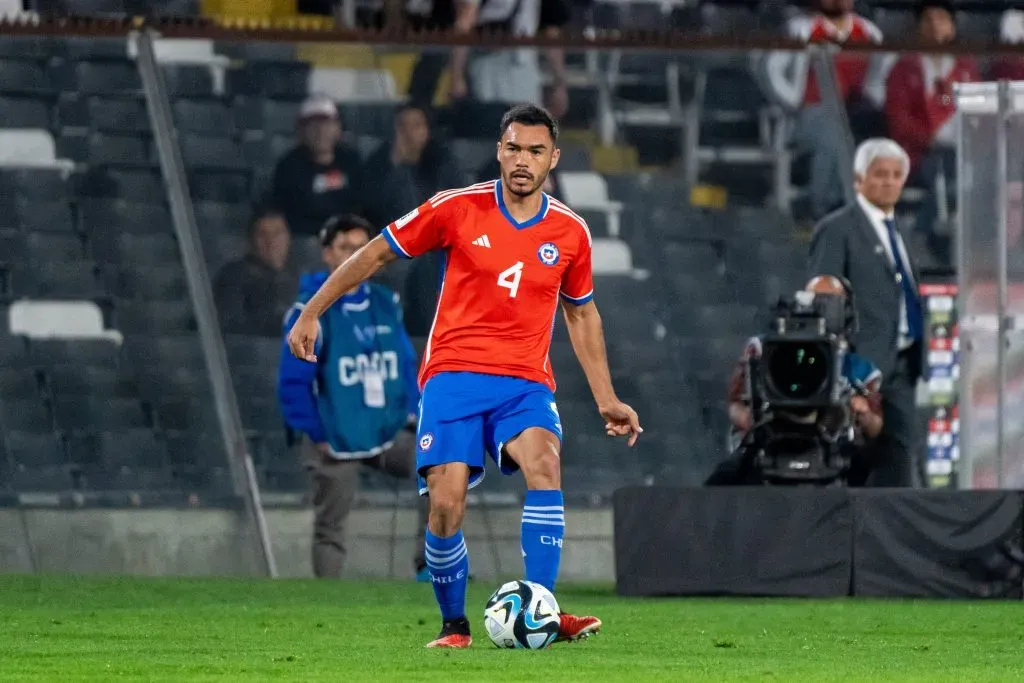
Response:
column 454, row 634
column 576, row 628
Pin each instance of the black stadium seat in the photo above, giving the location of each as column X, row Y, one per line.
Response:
column 24, row 112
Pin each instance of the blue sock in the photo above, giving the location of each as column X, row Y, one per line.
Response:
column 448, row 563
column 543, row 529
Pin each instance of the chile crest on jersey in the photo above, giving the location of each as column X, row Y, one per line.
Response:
column 548, row 253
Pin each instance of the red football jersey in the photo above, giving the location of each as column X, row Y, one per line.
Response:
column 500, row 279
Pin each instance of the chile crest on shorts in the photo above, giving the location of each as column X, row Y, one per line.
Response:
column 548, row 254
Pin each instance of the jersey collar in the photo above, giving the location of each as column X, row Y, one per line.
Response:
column 516, row 224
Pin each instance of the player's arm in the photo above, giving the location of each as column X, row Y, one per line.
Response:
column 415, row 233
column 587, row 336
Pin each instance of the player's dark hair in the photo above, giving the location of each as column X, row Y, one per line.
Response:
column 264, row 211
column 336, row 225
column 529, row 115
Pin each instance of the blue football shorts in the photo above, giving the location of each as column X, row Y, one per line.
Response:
column 464, row 415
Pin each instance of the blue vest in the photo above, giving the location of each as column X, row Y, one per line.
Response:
column 361, row 332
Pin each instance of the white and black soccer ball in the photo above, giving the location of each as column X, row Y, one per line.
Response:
column 522, row 614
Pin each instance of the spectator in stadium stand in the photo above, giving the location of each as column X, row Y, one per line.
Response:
column 402, row 175
column 792, row 81
column 921, row 111
column 502, row 77
column 317, row 179
column 1011, row 30
column 357, row 404
column 254, row 292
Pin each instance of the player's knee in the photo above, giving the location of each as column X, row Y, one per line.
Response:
column 447, row 509
column 542, row 469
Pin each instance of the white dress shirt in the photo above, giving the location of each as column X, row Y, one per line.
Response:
column 877, row 218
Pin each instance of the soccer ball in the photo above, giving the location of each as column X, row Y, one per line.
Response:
column 522, row 614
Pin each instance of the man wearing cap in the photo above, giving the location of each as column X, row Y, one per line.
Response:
column 318, row 177
column 357, row 404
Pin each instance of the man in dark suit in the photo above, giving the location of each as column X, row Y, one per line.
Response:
column 862, row 243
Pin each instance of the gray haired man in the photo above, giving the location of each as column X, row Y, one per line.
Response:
column 862, row 243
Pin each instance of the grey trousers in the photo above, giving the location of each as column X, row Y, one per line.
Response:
column 335, row 483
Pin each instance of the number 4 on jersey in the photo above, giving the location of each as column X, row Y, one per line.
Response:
column 510, row 277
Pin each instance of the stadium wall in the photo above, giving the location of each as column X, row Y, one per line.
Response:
column 214, row 542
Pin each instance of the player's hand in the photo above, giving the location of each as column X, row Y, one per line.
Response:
column 302, row 338
column 621, row 420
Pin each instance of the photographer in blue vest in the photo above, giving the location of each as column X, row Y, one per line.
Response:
column 356, row 405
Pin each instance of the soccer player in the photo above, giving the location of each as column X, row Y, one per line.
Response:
column 510, row 253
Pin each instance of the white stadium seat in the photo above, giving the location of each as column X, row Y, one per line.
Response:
column 353, row 85
column 612, row 257
column 59, row 320
column 588, row 191
column 30, row 147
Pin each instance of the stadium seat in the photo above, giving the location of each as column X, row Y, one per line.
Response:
column 260, row 413
column 611, row 257
column 136, row 184
column 96, row 413
column 39, row 462
column 12, row 246
column 120, row 115
column 589, row 191
column 84, row 352
column 213, row 153
column 372, row 119
column 199, row 462
column 266, row 116
column 41, row 246
column 219, row 186
column 43, row 216
column 163, row 317
column 122, row 150
column 33, row 185
column 107, row 77
column 158, row 382
column 204, row 117
column 59, row 320
column 137, row 250
column 353, row 85
column 24, row 112
column 24, row 77
column 259, row 352
column 30, row 147
column 98, row 381
column 28, row 415
column 188, row 81
column 152, row 283
column 187, row 415
column 119, row 215
column 18, row 382
column 282, row 80
column 13, row 350
column 73, row 280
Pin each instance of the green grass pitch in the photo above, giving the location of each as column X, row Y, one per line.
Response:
column 57, row 628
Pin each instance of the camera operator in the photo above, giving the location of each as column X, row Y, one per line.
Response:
column 862, row 409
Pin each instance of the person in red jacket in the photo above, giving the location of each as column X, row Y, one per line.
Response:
column 920, row 108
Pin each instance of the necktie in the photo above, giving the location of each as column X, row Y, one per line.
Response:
column 913, row 304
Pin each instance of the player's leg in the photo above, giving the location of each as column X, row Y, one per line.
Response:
column 449, row 460
column 445, row 550
column 527, row 431
column 536, row 451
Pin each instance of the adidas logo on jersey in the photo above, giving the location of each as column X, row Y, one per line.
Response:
column 482, row 241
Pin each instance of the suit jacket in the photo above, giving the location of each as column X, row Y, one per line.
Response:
column 846, row 244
